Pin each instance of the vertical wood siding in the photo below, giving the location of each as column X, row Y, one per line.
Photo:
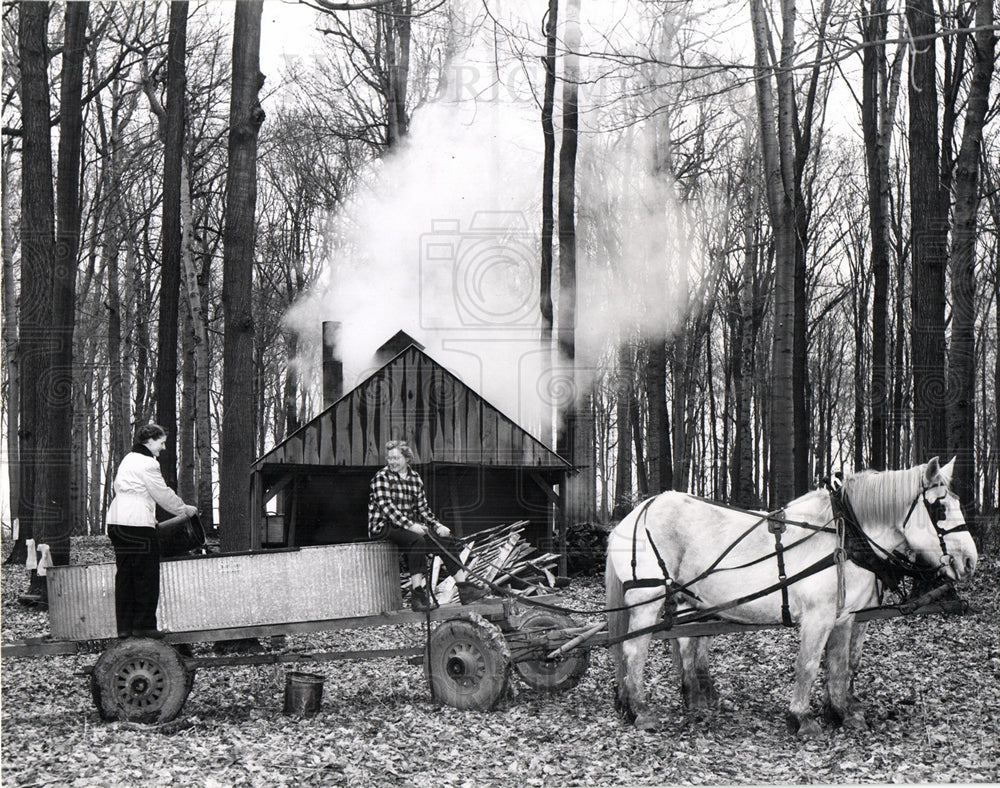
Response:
column 415, row 399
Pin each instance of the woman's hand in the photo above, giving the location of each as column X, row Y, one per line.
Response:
column 190, row 511
column 419, row 530
column 442, row 530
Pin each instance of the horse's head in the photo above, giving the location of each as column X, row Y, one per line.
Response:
column 934, row 527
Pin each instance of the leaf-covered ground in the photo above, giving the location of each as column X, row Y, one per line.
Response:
column 931, row 686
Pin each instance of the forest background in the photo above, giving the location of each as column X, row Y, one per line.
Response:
column 719, row 247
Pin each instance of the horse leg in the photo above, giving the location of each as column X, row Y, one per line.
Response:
column 813, row 633
column 706, row 683
column 630, row 697
column 684, row 658
column 697, row 686
column 838, row 675
column 858, row 632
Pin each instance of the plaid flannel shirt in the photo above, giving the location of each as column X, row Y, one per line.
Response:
column 396, row 502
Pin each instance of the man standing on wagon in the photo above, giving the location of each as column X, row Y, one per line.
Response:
column 398, row 511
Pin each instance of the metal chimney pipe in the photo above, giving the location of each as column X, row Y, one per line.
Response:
column 333, row 366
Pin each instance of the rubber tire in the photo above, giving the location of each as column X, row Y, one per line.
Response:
column 553, row 675
column 468, row 666
column 140, row 680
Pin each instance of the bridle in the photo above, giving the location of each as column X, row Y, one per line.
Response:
column 936, row 513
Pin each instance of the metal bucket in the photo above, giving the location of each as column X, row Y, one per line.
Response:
column 180, row 535
column 303, row 693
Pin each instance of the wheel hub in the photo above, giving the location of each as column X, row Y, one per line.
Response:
column 140, row 683
column 465, row 664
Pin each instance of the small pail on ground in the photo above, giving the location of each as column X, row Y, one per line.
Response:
column 303, row 693
column 180, row 535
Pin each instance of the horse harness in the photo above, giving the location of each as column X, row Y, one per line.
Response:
column 863, row 551
column 936, row 513
column 854, row 545
column 669, row 584
column 776, row 526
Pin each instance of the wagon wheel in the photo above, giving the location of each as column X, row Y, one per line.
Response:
column 562, row 673
column 468, row 665
column 141, row 680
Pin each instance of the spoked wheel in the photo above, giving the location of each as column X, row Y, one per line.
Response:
column 468, row 665
column 563, row 672
column 140, row 680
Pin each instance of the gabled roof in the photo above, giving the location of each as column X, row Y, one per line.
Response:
column 413, row 398
column 395, row 345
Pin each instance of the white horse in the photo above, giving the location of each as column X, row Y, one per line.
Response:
column 676, row 538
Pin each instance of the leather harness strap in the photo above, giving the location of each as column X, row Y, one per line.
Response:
column 777, row 527
column 666, row 581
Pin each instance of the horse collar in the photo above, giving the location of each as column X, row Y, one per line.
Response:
column 860, row 549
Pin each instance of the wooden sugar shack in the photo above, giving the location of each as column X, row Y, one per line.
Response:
column 479, row 467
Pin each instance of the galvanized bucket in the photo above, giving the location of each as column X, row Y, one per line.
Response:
column 303, row 693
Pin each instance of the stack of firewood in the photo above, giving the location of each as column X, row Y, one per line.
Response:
column 500, row 558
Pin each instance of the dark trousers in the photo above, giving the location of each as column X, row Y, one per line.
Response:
column 137, row 581
column 416, row 548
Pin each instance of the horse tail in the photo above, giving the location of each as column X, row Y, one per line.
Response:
column 617, row 618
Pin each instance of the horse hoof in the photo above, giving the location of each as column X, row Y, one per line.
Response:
column 804, row 727
column 855, row 721
column 809, row 729
column 647, row 722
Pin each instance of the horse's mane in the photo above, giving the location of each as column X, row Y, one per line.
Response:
column 884, row 496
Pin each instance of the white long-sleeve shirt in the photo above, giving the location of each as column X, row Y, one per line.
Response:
column 139, row 486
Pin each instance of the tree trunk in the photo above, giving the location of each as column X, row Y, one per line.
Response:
column 962, row 355
column 576, row 426
column 170, row 273
column 196, row 387
column 623, row 458
column 111, row 240
column 777, row 148
column 898, row 420
column 718, row 474
column 680, row 386
column 238, row 420
column 59, row 467
column 874, row 131
column 658, row 461
column 186, row 459
column 548, row 175
column 744, row 490
column 395, row 34
column 11, row 363
column 37, row 262
column 992, row 194
column 291, row 421
column 566, row 318
column 996, row 367
column 641, row 473
column 929, row 239
column 203, row 434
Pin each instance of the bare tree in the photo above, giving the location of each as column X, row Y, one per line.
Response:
column 170, row 270
column 238, row 431
column 962, row 353
column 929, row 232
column 880, row 89
column 548, row 173
column 37, row 260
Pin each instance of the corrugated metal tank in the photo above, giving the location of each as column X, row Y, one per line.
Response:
column 216, row 592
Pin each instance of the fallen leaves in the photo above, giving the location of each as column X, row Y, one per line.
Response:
column 930, row 686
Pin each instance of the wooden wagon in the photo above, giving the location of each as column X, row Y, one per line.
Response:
column 468, row 655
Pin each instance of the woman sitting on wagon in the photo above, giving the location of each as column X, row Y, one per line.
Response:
column 398, row 511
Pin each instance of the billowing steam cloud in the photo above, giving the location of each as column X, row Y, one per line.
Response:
column 443, row 243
